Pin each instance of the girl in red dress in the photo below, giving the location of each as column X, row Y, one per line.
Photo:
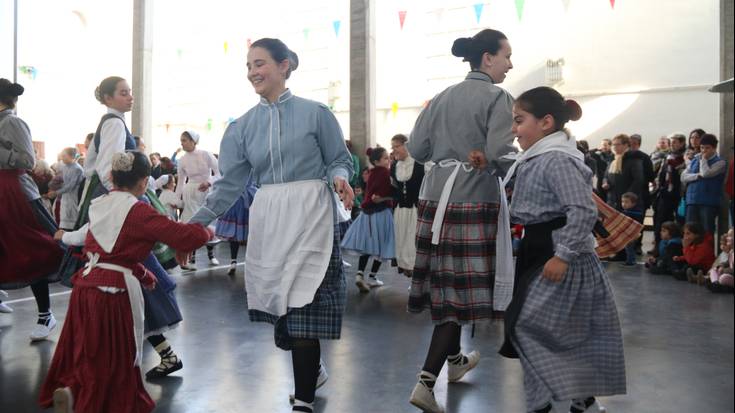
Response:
column 96, row 366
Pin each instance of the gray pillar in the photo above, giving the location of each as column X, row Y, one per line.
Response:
column 362, row 76
column 141, row 124
column 727, row 29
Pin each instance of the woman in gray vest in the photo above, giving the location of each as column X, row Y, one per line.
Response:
column 454, row 273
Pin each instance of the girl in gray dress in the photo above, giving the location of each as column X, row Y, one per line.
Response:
column 562, row 322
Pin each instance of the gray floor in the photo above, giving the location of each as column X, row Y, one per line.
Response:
column 678, row 341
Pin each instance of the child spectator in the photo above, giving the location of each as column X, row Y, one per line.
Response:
column 629, row 202
column 705, row 177
column 698, row 254
column 669, row 247
column 168, row 197
column 721, row 275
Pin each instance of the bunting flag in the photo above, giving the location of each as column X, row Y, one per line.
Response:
column 249, row 42
column 519, row 8
column 209, row 124
column 226, row 46
column 179, row 52
column 394, row 108
column 336, row 25
column 566, row 4
column 612, row 3
column 402, row 17
column 306, row 33
column 29, row 71
column 478, row 11
column 439, row 13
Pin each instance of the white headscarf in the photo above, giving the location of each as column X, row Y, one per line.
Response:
column 194, row 136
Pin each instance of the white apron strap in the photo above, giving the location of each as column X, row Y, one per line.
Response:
column 504, row 264
column 135, row 295
column 441, row 208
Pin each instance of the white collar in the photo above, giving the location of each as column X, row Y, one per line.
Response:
column 404, row 169
column 556, row 142
column 116, row 112
column 107, row 215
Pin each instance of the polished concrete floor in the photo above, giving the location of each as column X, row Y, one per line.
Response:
column 678, row 343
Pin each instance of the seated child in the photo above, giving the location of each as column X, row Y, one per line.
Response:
column 629, row 200
column 698, row 254
column 669, row 247
column 721, row 275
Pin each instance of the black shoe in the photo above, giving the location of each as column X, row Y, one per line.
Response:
column 166, row 367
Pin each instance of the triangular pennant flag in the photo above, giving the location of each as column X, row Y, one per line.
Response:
column 179, row 52
column 478, row 10
column 612, row 3
column 209, row 124
column 394, row 108
column 226, row 46
column 249, row 42
column 306, row 34
column 566, row 4
column 519, row 8
column 402, row 17
column 336, row 25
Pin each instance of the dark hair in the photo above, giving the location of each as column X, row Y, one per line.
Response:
column 348, row 144
column 678, row 137
column 374, row 154
column 403, row 139
column 89, row 137
column 9, row 92
column 542, row 101
column 636, row 137
column 583, row 146
column 708, row 139
column 673, row 228
column 696, row 229
column 279, row 52
column 625, row 139
column 141, row 169
column 630, row 196
column 471, row 49
column 698, row 131
column 107, row 88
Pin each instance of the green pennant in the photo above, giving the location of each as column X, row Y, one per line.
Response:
column 519, row 8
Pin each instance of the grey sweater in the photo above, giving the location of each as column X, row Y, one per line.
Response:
column 473, row 114
column 16, row 150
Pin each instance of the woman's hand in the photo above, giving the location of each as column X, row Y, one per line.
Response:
column 554, row 269
column 477, row 159
column 204, row 186
column 59, row 234
column 605, row 186
column 344, row 190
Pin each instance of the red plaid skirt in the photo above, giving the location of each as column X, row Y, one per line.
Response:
column 455, row 279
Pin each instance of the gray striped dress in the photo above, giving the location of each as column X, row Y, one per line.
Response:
column 567, row 333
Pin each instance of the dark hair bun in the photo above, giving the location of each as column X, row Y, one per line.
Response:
column 573, row 109
column 368, row 151
column 462, row 47
column 15, row 90
column 293, row 60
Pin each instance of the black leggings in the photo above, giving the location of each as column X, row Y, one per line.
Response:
column 41, row 293
column 234, row 248
column 444, row 343
column 305, row 354
column 362, row 264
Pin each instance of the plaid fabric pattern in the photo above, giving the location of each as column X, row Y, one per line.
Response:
column 623, row 229
column 455, row 278
column 322, row 319
column 568, row 336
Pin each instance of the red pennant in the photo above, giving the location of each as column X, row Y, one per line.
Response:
column 402, row 17
column 612, row 3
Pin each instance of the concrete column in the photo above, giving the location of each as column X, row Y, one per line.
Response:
column 362, row 76
column 141, row 123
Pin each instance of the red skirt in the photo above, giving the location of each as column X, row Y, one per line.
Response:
column 27, row 251
column 95, row 354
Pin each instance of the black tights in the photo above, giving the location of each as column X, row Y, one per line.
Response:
column 305, row 354
column 362, row 264
column 234, row 248
column 156, row 340
column 444, row 343
column 40, row 291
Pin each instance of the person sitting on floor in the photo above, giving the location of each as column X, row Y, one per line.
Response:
column 669, row 247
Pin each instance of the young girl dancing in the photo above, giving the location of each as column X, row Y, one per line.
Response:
column 96, row 366
column 562, row 322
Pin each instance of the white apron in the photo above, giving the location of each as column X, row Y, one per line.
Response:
column 193, row 199
column 289, row 245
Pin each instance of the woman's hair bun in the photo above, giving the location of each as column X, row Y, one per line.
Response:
column 368, row 151
column 573, row 109
column 293, row 60
column 462, row 47
column 15, row 90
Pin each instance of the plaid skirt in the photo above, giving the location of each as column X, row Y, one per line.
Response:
column 322, row 319
column 568, row 336
column 455, row 279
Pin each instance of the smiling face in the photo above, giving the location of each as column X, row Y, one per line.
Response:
column 399, row 150
column 663, row 143
column 122, row 99
column 498, row 65
column 267, row 76
column 529, row 129
column 384, row 160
